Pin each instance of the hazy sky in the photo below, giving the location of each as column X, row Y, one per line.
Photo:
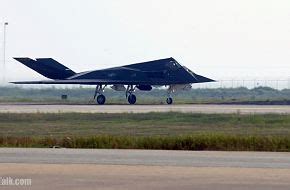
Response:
column 219, row 39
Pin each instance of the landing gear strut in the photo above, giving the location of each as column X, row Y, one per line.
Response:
column 101, row 99
column 129, row 94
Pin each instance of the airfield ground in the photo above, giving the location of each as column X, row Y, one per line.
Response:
column 149, row 169
column 261, row 128
column 171, row 130
column 185, row 108
column 141, row 124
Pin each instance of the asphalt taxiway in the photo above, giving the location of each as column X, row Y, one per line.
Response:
column 145, row 169
column 146, row 157
column 189, row 108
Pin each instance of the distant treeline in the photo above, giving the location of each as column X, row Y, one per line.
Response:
column 85, row 94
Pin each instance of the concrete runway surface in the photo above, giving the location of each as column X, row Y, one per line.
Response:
column 192, row 108
column 145, row 169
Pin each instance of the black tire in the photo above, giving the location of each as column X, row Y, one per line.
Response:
column 132, row 99
column 101, row 99
column 169, row 101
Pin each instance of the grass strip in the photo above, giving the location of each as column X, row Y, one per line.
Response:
column 201, row 142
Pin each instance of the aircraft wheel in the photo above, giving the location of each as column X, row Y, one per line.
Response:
column 101, row 99
column 169, row 100
column 132, row 99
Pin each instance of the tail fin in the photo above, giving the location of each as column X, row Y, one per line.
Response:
column 47, row 67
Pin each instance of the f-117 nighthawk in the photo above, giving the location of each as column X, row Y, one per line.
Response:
column 143, row 76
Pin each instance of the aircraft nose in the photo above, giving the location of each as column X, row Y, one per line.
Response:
column 204, row 79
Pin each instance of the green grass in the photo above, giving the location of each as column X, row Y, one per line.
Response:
column 184, row 142
column 176, row 131
column 162, row 124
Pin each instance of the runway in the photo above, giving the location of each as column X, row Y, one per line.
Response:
column 146, row 157
column 192, row 108
column 146, row 169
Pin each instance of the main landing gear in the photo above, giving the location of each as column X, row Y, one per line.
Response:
column 169, row 99
column 129, row 94
column 132, row 99
column 101, row 99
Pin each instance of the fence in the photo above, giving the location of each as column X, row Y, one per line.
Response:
column 232, row 83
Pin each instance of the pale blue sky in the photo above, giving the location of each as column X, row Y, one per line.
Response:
column 216, row 38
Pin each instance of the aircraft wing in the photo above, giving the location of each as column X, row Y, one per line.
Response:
column 200, row 79
column 159, row 72
column 82, row 81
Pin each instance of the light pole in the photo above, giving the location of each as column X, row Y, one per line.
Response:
column 4, row 52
